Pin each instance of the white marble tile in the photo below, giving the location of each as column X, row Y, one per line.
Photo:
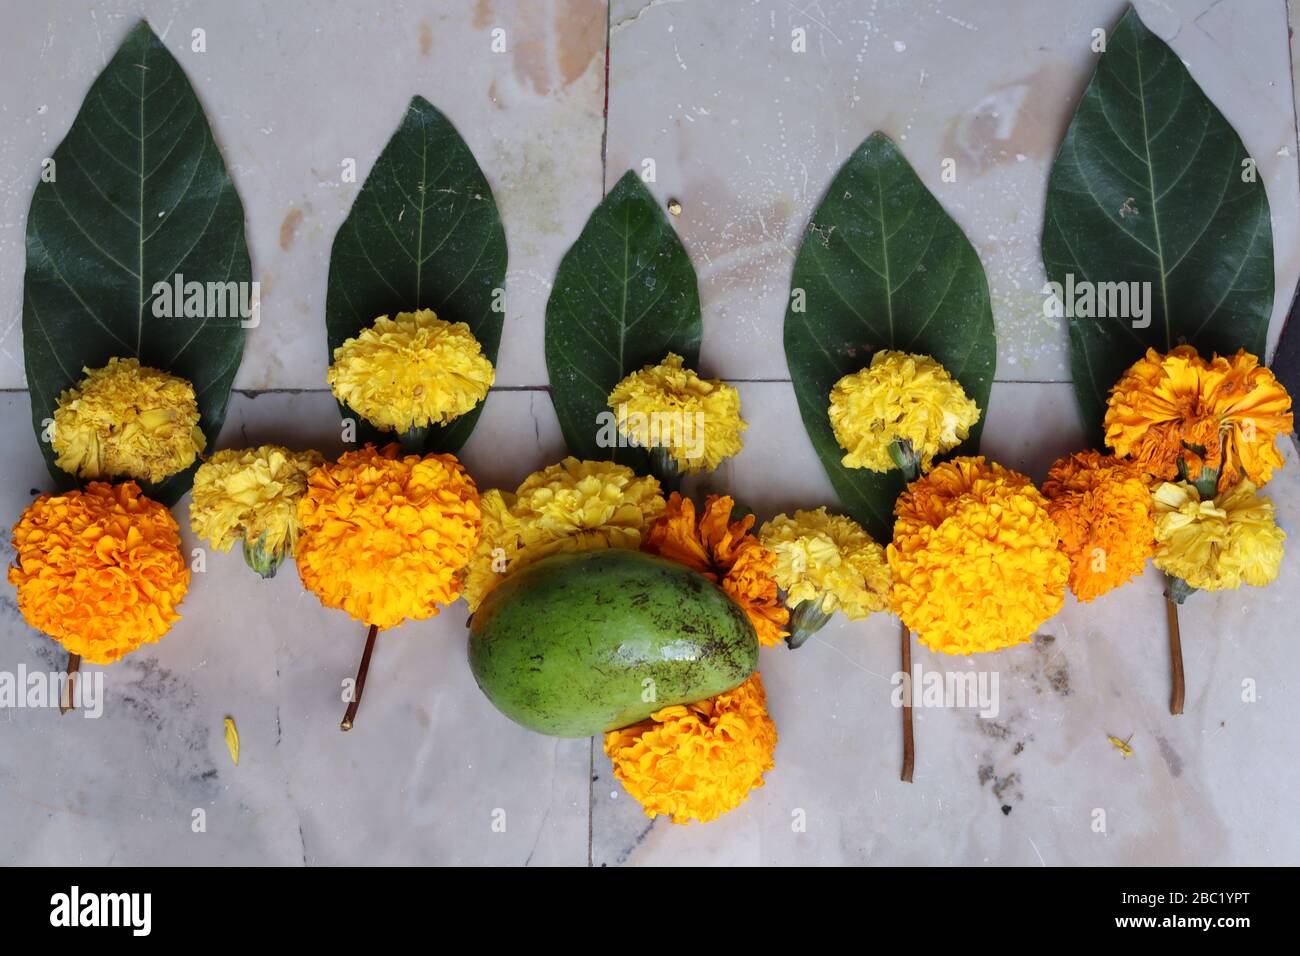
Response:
column 701, row 88
column 747, row 134
column 429, row 761
column 291, row 90
column 1212, row 787
column 418, row 780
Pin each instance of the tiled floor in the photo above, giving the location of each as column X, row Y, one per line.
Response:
column 746, row 134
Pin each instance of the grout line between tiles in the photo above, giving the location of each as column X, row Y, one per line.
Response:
column 604, row 179
column 604, row 133
column 254, row 392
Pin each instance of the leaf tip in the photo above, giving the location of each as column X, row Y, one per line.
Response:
column 142, row 32
column 419, row 104
column 629, row 180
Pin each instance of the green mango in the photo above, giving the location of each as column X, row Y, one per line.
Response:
column 578, row 644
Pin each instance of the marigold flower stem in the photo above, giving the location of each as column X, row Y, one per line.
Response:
column 805, row 620
column 351, row 714
column 909, row 744
column 412, row 440
column 664, row 467
column 1175, row 657
column 904, row 456
column 66, row 695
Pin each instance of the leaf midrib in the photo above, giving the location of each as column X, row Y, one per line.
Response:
column 622, row 311
column 1151, row 184
column 884, row 253
column 139, row 272
column 424, row 195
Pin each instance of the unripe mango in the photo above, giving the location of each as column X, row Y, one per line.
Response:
column 578, row 644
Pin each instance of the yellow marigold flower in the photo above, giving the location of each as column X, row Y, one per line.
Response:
column 497, row 542
column 904, row 398
column 828, row 560
column 1102, row 506
column 696, row 420
column 571, row 506
column 251, row 496
column 724, row 552
column 1219, row 544
column 974, row 559
column 1218, row 414
column 99, row 570
column 387, row 537
column 127, row 420
column 411, row 371
column 697, row 761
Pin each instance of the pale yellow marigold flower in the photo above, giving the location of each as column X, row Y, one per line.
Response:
column 695, row 420
column 1219, row 544
column 697, row 761
column 828, row 560
column 251, row 495
column 903, row 398
column 497, row 543
column 571, row 506
column 411, row 371
column 127, row 420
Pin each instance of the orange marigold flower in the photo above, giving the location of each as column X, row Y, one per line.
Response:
column 1102, row 506
column 975, row 558
column 99, row 570
column 725, row 552
column 386, row 537
column 1220, row 414
column 697, row 761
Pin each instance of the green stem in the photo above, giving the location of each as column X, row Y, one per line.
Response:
column 1206, row 483
column 1178, row 590
column 413, row 440
column 806, row 619
column 260, row 560
column 664, row 467
column 904, row 456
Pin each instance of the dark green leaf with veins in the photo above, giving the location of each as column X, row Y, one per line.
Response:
column 882, row 266
column 139, row 195
column 1152, row 185
column 625, row 296
column 423, row 233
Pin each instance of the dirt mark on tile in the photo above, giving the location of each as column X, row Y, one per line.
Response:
column 1048, row 669
column 549, row 52
column 289, row 228
column 999, row 761
column 579, row 36
column 1017, row 119
column 1173, row 760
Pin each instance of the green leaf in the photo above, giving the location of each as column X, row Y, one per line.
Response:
column 624, row 297
column 423, row 233
column 882, row 266
column 1150, row 187
column 139, row 193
